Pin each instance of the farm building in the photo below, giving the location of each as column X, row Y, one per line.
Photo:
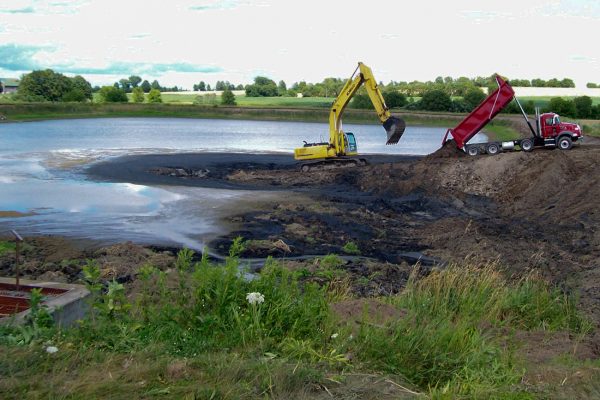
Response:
column 9, row 85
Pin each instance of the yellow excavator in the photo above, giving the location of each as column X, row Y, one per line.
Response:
column 342, row 149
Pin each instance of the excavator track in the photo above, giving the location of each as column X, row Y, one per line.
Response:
column 333, row 163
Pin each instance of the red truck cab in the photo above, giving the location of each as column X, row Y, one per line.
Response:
column 553, row 131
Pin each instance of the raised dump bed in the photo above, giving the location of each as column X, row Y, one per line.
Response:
column 65, row 302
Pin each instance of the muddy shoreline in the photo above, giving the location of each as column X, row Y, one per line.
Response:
column 524, row 211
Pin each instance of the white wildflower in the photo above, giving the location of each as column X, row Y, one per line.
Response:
column 51, row 349
column 334, row 335
column 255, row 298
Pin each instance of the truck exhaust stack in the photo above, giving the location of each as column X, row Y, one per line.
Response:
column 394, row 128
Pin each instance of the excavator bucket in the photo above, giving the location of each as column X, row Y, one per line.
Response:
column 394, row 128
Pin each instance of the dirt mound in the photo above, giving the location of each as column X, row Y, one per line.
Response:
column 448, row 150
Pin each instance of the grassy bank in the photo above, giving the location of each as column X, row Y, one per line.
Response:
column 39, row 111
column 206, row 333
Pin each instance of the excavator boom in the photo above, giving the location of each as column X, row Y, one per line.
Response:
column 340, row 144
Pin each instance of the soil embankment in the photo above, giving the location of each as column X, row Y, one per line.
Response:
column 525, row 210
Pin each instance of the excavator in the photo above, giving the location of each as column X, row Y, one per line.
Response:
column 341, row 150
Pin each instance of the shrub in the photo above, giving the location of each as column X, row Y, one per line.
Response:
column 111, row 94
column 473, row 97
column 394, row 99
column 137, row 95
column 583, row 106
column 228, row 98
column 154, row 96
column 436, row 100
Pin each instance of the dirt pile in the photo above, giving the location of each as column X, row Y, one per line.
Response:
column 60, row 259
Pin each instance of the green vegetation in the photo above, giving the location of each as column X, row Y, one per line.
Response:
column 111, row 94
column 47, row 85
column 6, row 247
column 203, row 331
column 262, row 87
column 154, row 96
column 435, row 100
column 351, row 248
column 228, row 98
column 591, row 128
column 137, row 95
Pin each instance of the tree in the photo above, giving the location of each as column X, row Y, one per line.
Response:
column 47, row 85
column 154, row 96
column 83, row 86
column 281, row 88
column 125, row 85
column 473, row 97
column 74, row 95
column 562, row 106
column 436, row 100
column 567, row 82
column 138, row 95
column 111, row 94
column 262, row 87
column 361, row 100
column 202, row 86
column 239, row 87
column 208, row 89
column 228, row 98
column 155, row 85
column 146, row 86
column 538, row 82
column 44, row 85
column 134, row 80
column 394, row 99
column 591, row 85
column 583, row 106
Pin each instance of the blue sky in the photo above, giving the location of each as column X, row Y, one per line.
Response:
column 181, row 42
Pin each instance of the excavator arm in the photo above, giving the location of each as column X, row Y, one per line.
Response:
column 394, row 126
column 337, row 146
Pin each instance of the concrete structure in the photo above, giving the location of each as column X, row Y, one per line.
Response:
column 9, row 85
column 65, row 302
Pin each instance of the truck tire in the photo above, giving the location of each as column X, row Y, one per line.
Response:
column 564, row 143
column 473, row 150
column 527, row 145
column 492, row 149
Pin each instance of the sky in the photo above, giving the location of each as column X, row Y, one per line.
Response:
column 182, row 42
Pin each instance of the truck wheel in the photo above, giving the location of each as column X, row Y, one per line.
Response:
column 305, row 168
column 564, row 143
column 493, row 149
column 527, row 145
column 473, row 150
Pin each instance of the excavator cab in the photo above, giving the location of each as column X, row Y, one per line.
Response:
column 350, row 144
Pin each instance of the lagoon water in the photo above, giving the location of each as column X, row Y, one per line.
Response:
column 41, row 166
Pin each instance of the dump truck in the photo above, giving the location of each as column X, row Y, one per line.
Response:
column 549, row 131
column 342, row 149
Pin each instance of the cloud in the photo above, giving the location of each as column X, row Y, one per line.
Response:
column 214, row 5
column 15, row 57
column 125, row 68
column 24, row 10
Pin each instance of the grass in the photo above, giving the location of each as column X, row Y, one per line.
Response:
column 501, row 132
column 590, row 128
column 192, row 333
column 6, row 246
